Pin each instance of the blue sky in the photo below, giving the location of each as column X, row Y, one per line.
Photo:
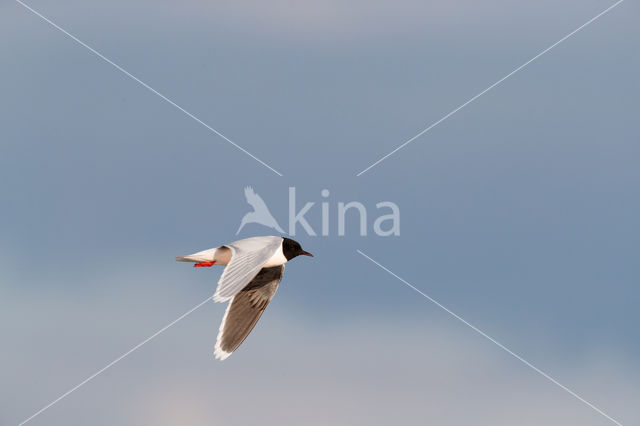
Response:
column 519, row 213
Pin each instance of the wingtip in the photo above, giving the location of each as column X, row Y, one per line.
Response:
column 221, row 355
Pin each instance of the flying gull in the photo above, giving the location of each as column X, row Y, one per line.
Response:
column 254, row 268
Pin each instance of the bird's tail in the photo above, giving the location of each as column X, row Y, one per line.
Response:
column 185, row 259
column 201, row 256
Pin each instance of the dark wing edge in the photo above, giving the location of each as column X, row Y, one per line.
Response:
column 245, row 309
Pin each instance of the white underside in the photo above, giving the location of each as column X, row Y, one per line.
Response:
column 276, row 260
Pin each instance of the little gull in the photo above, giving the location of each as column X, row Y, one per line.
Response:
column 254, row 268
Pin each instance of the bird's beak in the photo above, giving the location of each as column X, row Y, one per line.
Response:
column 306, row 253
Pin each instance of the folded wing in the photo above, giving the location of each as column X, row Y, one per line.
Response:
column 248, row 256
column 245, row 309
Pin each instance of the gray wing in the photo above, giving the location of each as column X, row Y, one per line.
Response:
column 248, row 256
column 245, row 309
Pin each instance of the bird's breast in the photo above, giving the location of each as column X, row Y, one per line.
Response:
column 277, row 259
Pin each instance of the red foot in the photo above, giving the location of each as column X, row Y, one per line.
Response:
column 204, row 264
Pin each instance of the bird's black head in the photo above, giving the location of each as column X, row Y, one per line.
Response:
column 291, row 249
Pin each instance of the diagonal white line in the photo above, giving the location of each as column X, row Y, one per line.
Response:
column 145, row 85
column 500, row 345
column 112, row 363
column 490, row 87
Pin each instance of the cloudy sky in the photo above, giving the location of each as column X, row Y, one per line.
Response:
column 519, row 213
